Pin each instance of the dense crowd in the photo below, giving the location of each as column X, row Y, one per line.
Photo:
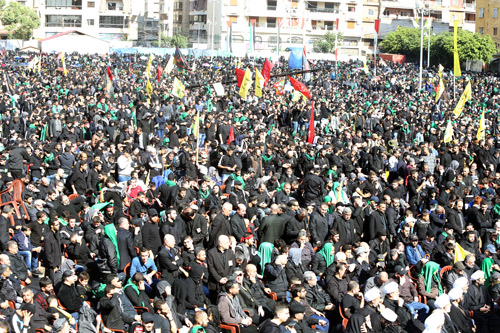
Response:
column 114, row 216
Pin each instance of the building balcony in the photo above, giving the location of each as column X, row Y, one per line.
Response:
column 399, row 4
column 324, row 10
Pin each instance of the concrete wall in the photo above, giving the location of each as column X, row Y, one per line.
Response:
column 75, row 43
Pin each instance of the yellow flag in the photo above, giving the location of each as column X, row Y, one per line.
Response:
column 441, row 71
column 296, row 95
column 448, row 133
column 170, row 65
column 149, row 88
column 259, row 82
column 456, row 58
column 245, row 84
column 428, row 23
column 148, row 69
column 464, row 98
column 178, row 89
column 440, row 89
column 196, row 125
column 460, row 253
column 365, row 67
column 481, row 131
column 63, row 60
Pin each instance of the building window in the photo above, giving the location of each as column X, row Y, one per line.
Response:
column 351, row 24
column 113, row 22
column 178, row 19
column 91, row 4
column 295, row 4
column 272, row 4
column 495, row 12
column 495, row 31
column 233, row 19
column 271, row 22
column 90, row 22
column 312, row 4
column 387, row 13
column 481, row 12
column 233, row 3
column 75, row 4
column 481, row 30
column 371, row 12
column 178, row 6
column 63, row 20
column 351, row 9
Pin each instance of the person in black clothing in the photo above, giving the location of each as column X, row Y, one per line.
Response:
column 52, row 247
column 125, row 242
column 195, row 296
column 135, row 292
column 169, row 260
column 313, row 186
column 281, row 315
column 151, row 232
column 68, row 294
column 112, row 314
column 16, row 157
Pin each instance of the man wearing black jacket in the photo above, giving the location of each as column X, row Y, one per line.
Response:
column 16, row 157
column 169, row 260
column 151, row 232
column 112, row 314
column 125, row 242
column 221, row 262
column 68, row 294
column 52, row 248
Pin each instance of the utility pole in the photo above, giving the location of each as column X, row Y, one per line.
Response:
column 421, row 47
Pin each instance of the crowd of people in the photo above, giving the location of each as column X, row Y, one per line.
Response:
column 114, row 216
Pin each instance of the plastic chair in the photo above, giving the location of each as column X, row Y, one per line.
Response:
column 345, row 321
column 445, row 269
column 72, row 196
column 102, row 328
column 16, row 189
column 232, row 328
column 273, row 296
column 140, row 309
column 126, row 269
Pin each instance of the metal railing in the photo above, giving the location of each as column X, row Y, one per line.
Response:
column 324, row 10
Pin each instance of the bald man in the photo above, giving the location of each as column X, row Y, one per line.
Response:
column 273, row 226
column 221, row 262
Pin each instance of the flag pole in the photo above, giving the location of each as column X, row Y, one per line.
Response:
column 336, row 46
column 421, row 49
column 377, row 25
column 197, row 126
column 429, row 43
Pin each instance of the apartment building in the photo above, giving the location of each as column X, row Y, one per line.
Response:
column 394, row 13
column 487, row 21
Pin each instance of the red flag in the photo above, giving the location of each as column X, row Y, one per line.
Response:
column 299, row 86
column 231, row 136
column 159, row 73
column 110, row 75
column 266, row 71
column 240, row 74
column 310, row 138
column 59, row 56
column 179, row 59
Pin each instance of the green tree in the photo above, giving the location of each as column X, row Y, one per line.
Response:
column 471, row 46
column 18, row 20
column 175, row 41
column 326, row 44
column 404, row 41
